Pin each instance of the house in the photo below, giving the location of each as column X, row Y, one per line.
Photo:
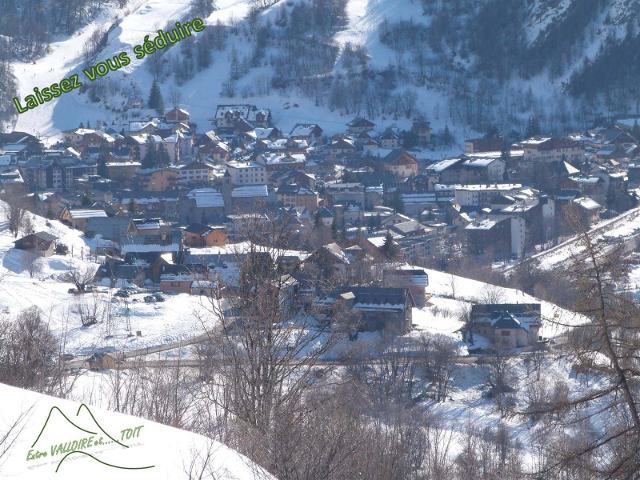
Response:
column 422, row 131
column 341, row 147
column 360, row 125
column 109, row 228
column 401, row 164
column 380, row 309
column 196, row 173
column 41, row 243
column 177, row 115
column 227, row 116
column 199, row 235
column 497, row 236
column 157, row 179
column 390, row 138
column 311, row 132
column 324, row 216
column 122, row 171
column 102, row 360
column 297, row 196
column 489, row 143
column 505, row 325
column 415, row 279
column 78, row 218
column 201, row 205
column 330, row 261
column 177, row 282
column 246, row 173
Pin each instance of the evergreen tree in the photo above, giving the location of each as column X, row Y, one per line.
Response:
column 150, row 158
column 155, row 99
column 533, row 127
column 102, row 167
column 389, row 248
column 162, row 157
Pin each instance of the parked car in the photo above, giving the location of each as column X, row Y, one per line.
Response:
column 158, row 297
column 121, row 293
column 149, row 299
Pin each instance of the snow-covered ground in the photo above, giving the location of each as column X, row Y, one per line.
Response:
column 159, row 323
column 451, row 295
column 133, row 447
column 201, row 94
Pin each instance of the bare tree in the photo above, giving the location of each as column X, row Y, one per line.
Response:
column 15, row 213
column 438, row 353
column 605, row 347
column 82, row 275
column 28, row 352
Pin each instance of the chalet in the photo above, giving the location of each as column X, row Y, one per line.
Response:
column 506, row 326
column 422, row 130
column 380, row 309
column 248, row 199
column 325, row 216
column 341, row 147
column 102, row 360
column 390, row 138
column 227, row 116
column 310, row 132
column 41, row 243
column 78, row 218
column 177, row 115
column 468, row 170
column 360, row 125
column 401, row 163
column 199, row 235
column 330, row 260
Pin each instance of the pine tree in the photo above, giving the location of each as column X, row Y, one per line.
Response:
column 162, row 157
column 389, row 248
column 102, row 167
column 155, row 99
column 150, row 158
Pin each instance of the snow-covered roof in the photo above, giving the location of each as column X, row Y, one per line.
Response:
column 86, row 213
column 250, row 191
column 206, row 197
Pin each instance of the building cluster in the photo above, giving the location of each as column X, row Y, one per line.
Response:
column 167, row 201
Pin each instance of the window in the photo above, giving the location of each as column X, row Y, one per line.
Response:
column 505, row 333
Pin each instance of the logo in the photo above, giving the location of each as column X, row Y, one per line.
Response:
column 92, row 441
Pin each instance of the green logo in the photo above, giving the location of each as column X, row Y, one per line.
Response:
column 93, row 438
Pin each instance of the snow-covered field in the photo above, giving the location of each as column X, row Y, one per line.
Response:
column 159, row 323
column 142, row 449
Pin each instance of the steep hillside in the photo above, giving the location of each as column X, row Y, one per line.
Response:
column 467, row 64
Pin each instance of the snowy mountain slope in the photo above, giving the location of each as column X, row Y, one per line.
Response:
column 443, row 71
column 141, row 450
